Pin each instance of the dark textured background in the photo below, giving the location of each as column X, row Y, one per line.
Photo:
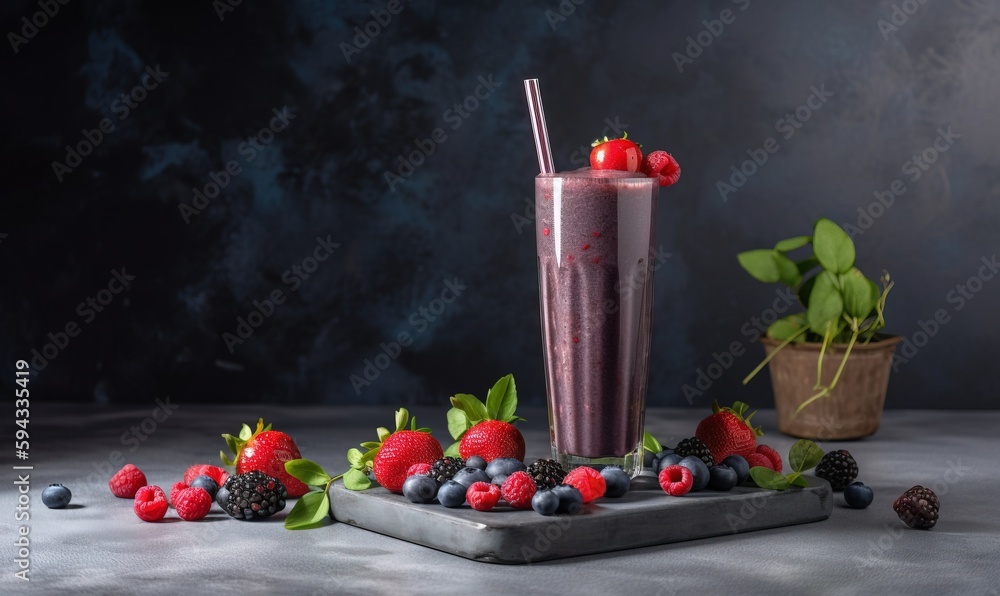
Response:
column 458, row 214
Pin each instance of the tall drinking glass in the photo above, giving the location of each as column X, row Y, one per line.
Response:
column 595, row 232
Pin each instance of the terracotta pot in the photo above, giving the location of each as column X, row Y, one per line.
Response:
column 854, row 407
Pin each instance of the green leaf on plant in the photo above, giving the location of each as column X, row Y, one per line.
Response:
column 833, row 247
column 804, row 455
column 309, row 472
column 760, row 264
column 354, row 458
column 825, row 304
column 768, row 478
column 857, row 292
column 458, row 423
column 788, row 326
column 649, row 443
column 787, row 271
column 806, row 289
column 792, row 243
column 452, row 450
column 807, row 265
column 311, row 508
column 356, row 480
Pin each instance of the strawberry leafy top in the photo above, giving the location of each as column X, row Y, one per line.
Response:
column 739, row 409
column 237, row 443
column 468, row 411
column 362, row 462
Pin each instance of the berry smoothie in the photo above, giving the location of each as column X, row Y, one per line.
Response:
column 595, row 231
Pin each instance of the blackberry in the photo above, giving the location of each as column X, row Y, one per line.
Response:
column 445, row 468
column 695, row 447
column 918, row 508
column 838, row 468
column 254, row 495
column 547, row 473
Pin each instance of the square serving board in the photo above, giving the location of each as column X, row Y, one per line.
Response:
column 645, row 516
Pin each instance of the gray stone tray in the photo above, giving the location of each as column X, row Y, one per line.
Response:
column 646, row 516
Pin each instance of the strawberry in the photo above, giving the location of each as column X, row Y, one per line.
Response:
column 727, row 432
column 266, row 451
column 486, row 429
column 615, row 154
column 663, row 166
column 393, row 455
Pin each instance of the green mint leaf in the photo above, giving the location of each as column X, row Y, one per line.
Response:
column 768, row 478
column 312, row 507
column 760, row 264
column 833, row 247
column 473, row 408
column 504, row 396
column 307, row 471
column 796, row 479
column 452, row 450
column 649, row 443
column 402, row 416
column 825, row 304
column 383, row 433
column 245, row 433
column 458, row 423
column 354, row 457
column 792, row 243
column 804, row 455
column 788, row 273
column 356, row 480
column 856, row 289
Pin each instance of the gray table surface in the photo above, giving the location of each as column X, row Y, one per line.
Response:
column 99, row 547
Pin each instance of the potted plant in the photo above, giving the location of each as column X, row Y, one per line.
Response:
column 829, row 365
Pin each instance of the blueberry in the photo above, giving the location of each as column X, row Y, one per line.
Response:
column 476, row 462
column 671, row 459
column 207, row 483
column 722, row 477
column 504, row 465
column 466, row 476
column 222, row 497
column 617, row 480
column 545, row 502
column 56, row 496
column 857, row 494
column 499, row 479
column 740, row 465
column 420, row 489
column 451, row 494
column 570, row 499
column 698, row 469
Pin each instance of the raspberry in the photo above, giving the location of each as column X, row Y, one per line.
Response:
column 772, row 456
column 661, row 165
column 588, row 481
column 419, row 468
column 150, row 503
column 174, row 490
column 759, row 460
column 192, row 503
column 518, row 490
column 676, row 480
column 482, row 496
column 216, row 473
column 127, row 481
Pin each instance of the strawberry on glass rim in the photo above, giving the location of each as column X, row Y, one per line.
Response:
column 615, row 154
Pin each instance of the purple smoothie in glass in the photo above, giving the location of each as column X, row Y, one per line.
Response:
column 595, row 232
